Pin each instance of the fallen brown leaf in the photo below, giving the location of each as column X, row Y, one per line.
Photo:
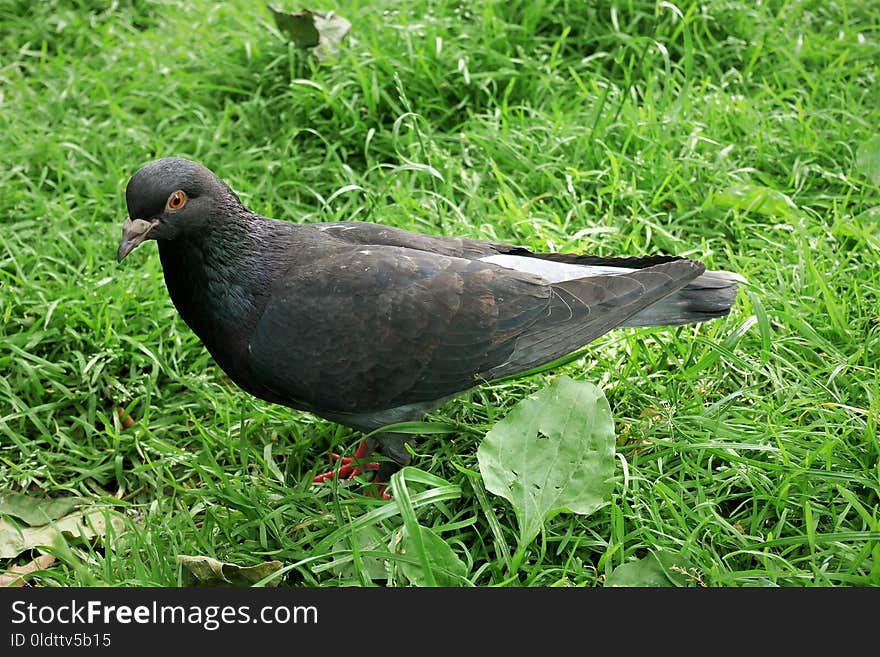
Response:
column 16, row 576
column 200, row 570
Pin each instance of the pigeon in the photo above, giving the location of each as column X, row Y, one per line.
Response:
column 369, row 325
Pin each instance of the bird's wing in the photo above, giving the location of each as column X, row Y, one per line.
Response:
column 365, row 329
column 706, row 297
column 550, row 266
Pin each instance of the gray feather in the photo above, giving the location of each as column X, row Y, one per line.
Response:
column 707, row 297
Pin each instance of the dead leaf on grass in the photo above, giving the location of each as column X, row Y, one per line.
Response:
column 205, row 571
column 16, row 576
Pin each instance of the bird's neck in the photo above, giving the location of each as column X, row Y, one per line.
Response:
column 217, row 279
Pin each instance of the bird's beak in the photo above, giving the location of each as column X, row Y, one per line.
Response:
column 134, row 231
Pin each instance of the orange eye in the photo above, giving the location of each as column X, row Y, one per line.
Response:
column 176, row 200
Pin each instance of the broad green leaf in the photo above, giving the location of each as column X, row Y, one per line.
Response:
column 553, row 452
column 446, row 567
column 643, row 572
column 205, row 571
column 655, row 570
column 79, row 526
column 868, row 159
column 371, row 567
column 37, row 511
column 754, row 198
column 321, row 30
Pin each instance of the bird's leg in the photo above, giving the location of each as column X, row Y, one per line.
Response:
column 390, row 444
column 351, row 466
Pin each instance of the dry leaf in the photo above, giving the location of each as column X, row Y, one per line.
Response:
column 16, row 576
column 205, row 571
column 79, row 526
column 321, row 30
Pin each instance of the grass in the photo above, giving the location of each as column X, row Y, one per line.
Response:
column 726, row 131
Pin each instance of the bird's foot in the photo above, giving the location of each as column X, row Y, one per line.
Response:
column 354, row 466
column 381, row 492
column 349, row 469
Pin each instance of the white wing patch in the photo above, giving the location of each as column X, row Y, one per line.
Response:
column 553, row 272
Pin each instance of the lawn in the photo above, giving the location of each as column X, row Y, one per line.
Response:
column 742, row 134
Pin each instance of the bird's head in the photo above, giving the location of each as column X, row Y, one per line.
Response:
column 168, row 199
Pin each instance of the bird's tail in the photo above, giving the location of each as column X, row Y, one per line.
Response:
column 708, row 296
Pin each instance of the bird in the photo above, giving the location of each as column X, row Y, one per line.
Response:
column 368, row 325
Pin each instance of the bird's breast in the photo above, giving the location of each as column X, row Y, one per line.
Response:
column 215, row 301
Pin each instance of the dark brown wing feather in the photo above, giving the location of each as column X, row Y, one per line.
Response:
column 366, row 329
